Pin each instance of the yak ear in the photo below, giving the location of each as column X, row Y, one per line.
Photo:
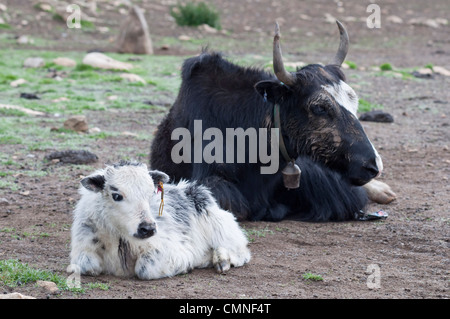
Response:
column 159, row 176
column 272, row 91
column 94, row 183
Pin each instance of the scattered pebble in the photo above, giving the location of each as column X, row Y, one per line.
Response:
column 65, row 62
column 77, row 123
column 50, row 286
column 33, row 63
column 102, row 61
column 18, row 82
column 72, row 157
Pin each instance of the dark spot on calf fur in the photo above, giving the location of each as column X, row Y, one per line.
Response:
column 199, row 197
column 126, row 259
column 88, row 227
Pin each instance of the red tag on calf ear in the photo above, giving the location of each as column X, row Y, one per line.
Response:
column 160, row 187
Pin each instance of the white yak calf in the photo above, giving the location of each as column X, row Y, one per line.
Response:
column 117, row 228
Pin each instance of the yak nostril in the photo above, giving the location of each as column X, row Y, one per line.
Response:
column 146, row 230
column 372, row 169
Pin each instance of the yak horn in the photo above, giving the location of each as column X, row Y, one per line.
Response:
column 278, row 65
column 343, row 45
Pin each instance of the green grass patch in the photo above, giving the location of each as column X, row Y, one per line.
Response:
column 195, row 14
column 14, row 273
column 366, row 106
column 351, row 65
column 4, row 26
column 312, row 277
column 253, row 234
column 386, row 67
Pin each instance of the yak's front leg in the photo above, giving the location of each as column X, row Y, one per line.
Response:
column 379, row 192
column 84, row 257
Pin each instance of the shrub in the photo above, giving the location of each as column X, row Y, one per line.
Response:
column 193, row 15
column 385, row 67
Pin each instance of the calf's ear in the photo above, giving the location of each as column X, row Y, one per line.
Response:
column 159, row 176
column 94, row 183
column 273, row 91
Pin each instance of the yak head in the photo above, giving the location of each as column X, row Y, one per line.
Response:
column 318, row 115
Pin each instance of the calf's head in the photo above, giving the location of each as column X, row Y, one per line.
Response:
column 318, row 115
column 126, row 190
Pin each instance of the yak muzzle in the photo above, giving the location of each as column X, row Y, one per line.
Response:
column 145, row 230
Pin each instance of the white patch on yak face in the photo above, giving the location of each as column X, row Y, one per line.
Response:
column 345, row 96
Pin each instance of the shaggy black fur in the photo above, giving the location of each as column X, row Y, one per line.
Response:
column 224, row 95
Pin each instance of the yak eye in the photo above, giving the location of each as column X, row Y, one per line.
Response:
column 319, row 109
column 117, row 197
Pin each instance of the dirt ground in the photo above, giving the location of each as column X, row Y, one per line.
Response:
column 411, row 247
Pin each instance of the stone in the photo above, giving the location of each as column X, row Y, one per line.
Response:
column 22, row 109
column 50, row 286
column 134, row 34
column 102, row 61
column 394, row 19
column 377, row 116
column 34, row 63
column 441, row 70
column 184, row 37
column 18, row 82
column 77, row 123
column 424, row 73
column 207, row 28
column 24, row 39
column 72, row 157
column 62, row 61
column 15, row 295
column 4, row 202
column 132, row 77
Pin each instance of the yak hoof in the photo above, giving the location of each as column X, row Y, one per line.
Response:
column 221, row 260
column 379, row 192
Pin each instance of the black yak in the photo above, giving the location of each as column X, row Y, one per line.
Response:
column 313, row 109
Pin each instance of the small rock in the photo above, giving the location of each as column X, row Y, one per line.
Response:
column 433, row 23
column 65, row 62
column 72, row 157
column 50, row 286
column 77, row 123
column 3, row 7
column 126, row 133
column 184, row 38
column 45, row 7
column 94, row 130
column 15, row 295
column 22, row 109
column 29, row 96
column 102, row 61
column 25, row 193
column 132, row 77
column 441, row 70
column 24, row 39
column 424, row 73
column 207, row 28
column 377, row 116
column 394, row 19
column 18, row 82
column 4, row 202
column 34, row 63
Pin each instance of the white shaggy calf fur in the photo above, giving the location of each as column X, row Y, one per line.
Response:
column 117, row 229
